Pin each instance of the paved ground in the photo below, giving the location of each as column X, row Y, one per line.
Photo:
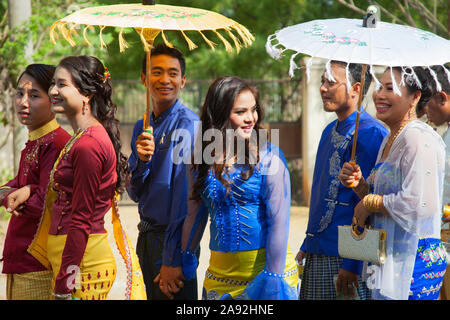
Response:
column 129, row 219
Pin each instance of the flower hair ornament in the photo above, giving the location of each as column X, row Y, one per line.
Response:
column 106, row 75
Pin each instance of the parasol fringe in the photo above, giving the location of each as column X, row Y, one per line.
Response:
column 328, row 72
column 102, row 43
column 416, row 78
column 243, row 36
column 447, row 73
column 308, row 69
column 436, row 80
column 144, row 41
column 402, row 77
column 272, row 50
column 348, row 78
column 235, row 39
column 72, row 30
column 69, row 34
column 395, row 84
column 53, row 33
column 227, row 44
column 374, row 77
column 408, row 75
column 65, row 32
column 123, row 44
column 85, row 35
column 292, row 65
column 209, row 42
column 190, row 43
column 250, row 38
column 170, row 45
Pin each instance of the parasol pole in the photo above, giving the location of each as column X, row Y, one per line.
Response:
column 147, row 78
column 360, row 98
column 369, row 21
column 147, row 85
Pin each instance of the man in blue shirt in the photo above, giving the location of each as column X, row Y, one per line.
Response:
column 332, row 203
column 158, row 181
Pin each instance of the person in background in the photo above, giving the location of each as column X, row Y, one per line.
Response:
column 23, row 196
column 403, row 194
column 438, row 112
column 158, row 183
column 331, row 202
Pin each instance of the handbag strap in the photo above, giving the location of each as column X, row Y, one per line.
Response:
column 356, row 234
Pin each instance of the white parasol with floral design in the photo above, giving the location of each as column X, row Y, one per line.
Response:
column 368, row 42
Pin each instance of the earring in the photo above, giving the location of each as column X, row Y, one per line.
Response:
column 83, row 110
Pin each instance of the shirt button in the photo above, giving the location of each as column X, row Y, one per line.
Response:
column 63, row 213
column 59, row 228
column 67, row 202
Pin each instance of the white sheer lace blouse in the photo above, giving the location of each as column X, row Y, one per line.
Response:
column 411, row 182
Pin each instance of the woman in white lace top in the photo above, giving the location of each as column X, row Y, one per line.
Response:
column 403, row 194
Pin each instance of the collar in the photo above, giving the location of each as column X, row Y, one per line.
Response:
column 343, row 126
column 42, row 131
column 164, row 115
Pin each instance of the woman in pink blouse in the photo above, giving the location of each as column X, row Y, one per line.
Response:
column 91, row 168
column 23, row 196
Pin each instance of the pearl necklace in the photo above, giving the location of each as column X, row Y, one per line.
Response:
column 393, row 137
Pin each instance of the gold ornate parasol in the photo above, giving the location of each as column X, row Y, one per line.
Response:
column 149, row 21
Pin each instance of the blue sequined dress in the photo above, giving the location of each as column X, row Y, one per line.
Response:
column 249, row 228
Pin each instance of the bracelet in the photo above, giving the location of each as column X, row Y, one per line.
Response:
column 373, row 202
column 62, row 296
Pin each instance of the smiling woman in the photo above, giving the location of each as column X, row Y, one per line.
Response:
column 249, row 204
column 403, row 194
column 71, row 239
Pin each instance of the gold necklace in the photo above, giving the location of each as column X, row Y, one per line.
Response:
column 393, row 137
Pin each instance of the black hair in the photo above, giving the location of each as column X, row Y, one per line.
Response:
column 88, row 74
column 161, row 49
column 412, row 85
column 441, row 75
column 215, row 114
column 42, row 73
column 355, row 70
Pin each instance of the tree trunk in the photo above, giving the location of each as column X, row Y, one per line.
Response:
column 19, row 12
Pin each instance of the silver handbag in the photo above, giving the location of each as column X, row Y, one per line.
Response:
column 368, row 245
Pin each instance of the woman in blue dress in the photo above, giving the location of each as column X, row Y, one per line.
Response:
column 242, row 183
column 403, row 194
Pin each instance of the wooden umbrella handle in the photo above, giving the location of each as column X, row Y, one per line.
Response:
column 147, row 85
column 355, row 135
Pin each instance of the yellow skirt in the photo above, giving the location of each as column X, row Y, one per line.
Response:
column 97, row 269
column 231, row 272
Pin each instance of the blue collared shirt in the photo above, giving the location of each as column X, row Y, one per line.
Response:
column 332, row 204
column 159, row 185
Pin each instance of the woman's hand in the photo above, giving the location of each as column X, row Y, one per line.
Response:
column 350, row 175
column 361, row 214
column 16, row 199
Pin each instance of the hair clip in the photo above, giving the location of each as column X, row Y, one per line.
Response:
column 106, row 74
